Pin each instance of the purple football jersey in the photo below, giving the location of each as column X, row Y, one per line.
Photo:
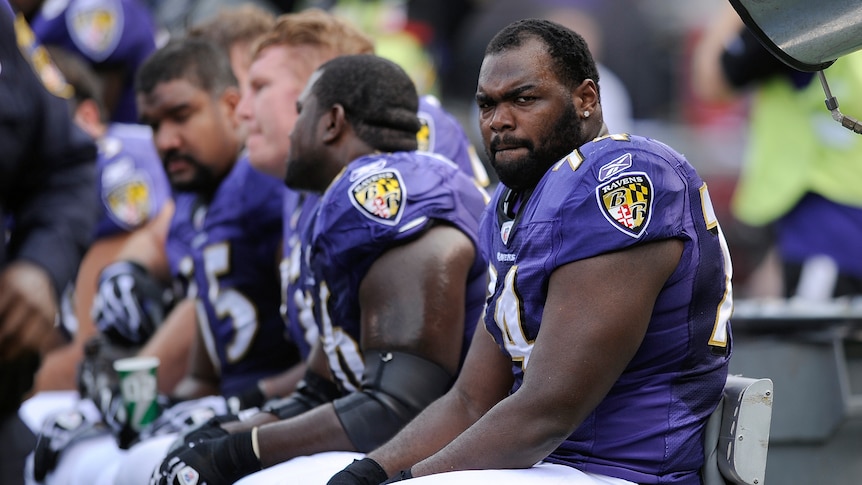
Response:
column 106, row 33
column 611, row 194
column 226, row 253
column 296, row 282
column 131, row 182
column 379, row 202
column 441, row 133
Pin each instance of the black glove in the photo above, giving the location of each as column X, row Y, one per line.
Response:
column 97, row 379
column 129, row 303
column 100, row 383
column 402, row 475
column 213, row 462
column 250, row 397
column 56, row 434
column 361, row 472
column 208, row 430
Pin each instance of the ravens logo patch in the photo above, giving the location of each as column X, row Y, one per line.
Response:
column 626, row 202
column 380, row 196
column 129, row 203
column 96, row 27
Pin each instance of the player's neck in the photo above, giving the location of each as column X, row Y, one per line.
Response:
column 514, row 200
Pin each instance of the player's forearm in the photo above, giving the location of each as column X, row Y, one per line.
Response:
column 436, row 426
column 171, row 344
column 510, row 435
column 283, row 384
column 312, row 432
column 146, row 246
column 59, row 370
column 193, row 388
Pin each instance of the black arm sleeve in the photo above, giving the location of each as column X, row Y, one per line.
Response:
column 47, row 173
column 312, row 391
column 395, row 388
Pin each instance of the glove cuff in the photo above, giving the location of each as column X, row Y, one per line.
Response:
column 367, row 471
column 242, row 455
column 402, row 475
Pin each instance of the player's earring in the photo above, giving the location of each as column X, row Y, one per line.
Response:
column 586, row 114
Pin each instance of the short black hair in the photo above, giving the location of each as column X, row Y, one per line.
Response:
column 571, row 57
column 196, row 60
column 379, row 99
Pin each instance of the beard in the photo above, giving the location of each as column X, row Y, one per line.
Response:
column 296, row 175
column 202, row 181
column 566, row 134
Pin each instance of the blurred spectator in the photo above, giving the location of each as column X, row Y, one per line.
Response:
column 386, row 21
column 459, row 41
column 131, row 189
column 616, row 102
column 46, row 208
column 235, row 30
column 801, row 167
column 115, row 36
column 175, row 17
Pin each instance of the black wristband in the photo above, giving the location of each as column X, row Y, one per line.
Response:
column 241, row 459
column 249, row 397
column 361, row 472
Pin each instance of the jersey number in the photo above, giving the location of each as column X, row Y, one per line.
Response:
column 228, row 303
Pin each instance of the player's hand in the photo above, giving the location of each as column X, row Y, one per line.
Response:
column 28, row 310
column 56, row 434
column 129, row 303
column 208, row 430
column 219, row 461
column 97, row 379
column 361, row 472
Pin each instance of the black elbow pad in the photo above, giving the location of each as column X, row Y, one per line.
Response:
column 395, row 388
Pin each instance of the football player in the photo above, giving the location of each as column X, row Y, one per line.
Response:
column 397, row 284
column 608, row 333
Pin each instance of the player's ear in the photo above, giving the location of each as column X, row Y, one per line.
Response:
column 333, row 122
column 586, row 96
column 230, row 100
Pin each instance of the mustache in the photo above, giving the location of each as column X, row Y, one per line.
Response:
column 508, row 141
column 176, row 155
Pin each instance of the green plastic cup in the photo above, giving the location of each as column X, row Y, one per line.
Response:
column 139, row 390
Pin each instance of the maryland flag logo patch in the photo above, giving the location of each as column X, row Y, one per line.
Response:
column 380, row 196
column 626, row 202
column 96, row 27
column 129, row 203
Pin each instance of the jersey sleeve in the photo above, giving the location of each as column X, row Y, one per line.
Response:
column 132, row 184
column 625, row 194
